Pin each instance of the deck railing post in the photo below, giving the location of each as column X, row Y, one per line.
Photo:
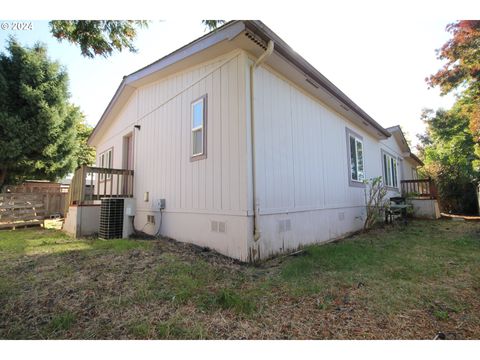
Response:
column 83, row 184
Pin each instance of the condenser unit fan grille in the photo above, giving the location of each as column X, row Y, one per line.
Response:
column 111, row 219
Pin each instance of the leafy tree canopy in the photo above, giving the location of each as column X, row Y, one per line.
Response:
column 98, row 37
column 462, row 55
column 462, row 70
column 103, row 37
column 447, row 150
column 84, row 155
column 451, row 145
column 38, row 126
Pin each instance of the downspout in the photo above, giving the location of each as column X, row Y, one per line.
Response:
column 260, row 60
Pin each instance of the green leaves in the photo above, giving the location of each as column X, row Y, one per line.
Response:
column 98, row 37
column 448, row 153
column 104, row 37
column 451, row 146
column 38, row 125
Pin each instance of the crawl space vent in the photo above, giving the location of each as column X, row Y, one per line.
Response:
column 284, row 225
column 218, row 226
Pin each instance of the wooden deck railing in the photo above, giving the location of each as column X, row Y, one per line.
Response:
column 424, row 188
column 90, row 184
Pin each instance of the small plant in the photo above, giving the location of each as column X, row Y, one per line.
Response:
column 375, row 201
column 140, row 330
column 229, row 299
column 62, row 321
column 441, row 314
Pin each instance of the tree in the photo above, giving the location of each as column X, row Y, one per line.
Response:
column 212, row 24
column 447, row 151
column 462, row 53
column 98, row 37
column 462, row 71
column 103, row 37
column 38, row 125
column 84, row 154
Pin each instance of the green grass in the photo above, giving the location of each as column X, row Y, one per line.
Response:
column 62, row 322
column 396, row 266
column 197, row 282
column 157, row 290
column 47, row 241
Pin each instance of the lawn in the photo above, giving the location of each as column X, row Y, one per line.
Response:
column 393, row 283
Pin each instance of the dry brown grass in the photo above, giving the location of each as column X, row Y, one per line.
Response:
column 401, row 283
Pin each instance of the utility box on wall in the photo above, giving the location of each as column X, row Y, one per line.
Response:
column 158, row 204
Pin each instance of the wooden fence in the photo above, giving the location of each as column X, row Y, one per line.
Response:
column 21, row 209
column 37, row 186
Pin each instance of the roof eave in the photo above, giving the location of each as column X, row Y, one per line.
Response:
column 225, row 32
column 228, row 32
column 290, row 55
column 417, row 159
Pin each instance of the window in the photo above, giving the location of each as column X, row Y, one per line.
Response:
column 199, row 114
column 390, row 174
column 355, row 158
column 105, row 160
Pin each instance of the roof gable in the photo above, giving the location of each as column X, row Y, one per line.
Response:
column 226, row 38
column 399, row 136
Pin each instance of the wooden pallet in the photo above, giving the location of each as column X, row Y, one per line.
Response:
column 21, row 210
column 22, row 224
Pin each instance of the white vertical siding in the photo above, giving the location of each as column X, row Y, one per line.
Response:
column 301, row 149
column 163, row 167
column 195, row 191
column 302, row 167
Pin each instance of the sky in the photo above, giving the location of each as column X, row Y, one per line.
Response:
column 380, row 64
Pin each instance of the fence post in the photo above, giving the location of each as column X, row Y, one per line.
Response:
column 433, row 188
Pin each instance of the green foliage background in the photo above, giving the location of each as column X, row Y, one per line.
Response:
column 450, row 147
column 42, row 135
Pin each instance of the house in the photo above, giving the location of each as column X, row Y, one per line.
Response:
column 236, row 143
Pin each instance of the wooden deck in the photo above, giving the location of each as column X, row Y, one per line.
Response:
column 420, row 188
column 90, row 184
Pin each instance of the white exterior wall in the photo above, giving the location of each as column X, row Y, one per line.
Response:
column 302, row 168
column 409, row 169
column 196, row 192
column 301, row 161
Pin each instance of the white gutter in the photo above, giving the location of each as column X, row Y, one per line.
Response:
column 260, row 60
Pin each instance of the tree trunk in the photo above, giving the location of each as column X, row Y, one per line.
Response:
column 3, row 176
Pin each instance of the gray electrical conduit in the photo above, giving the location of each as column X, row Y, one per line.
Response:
column 141, row 233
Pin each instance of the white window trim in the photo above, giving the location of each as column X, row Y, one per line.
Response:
column 390, row 172
column 202, row 128
column 358, row 139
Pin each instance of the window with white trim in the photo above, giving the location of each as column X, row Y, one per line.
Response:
column 390, row 173
column 199, row 113
column 357, row 173
column 105, row 160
